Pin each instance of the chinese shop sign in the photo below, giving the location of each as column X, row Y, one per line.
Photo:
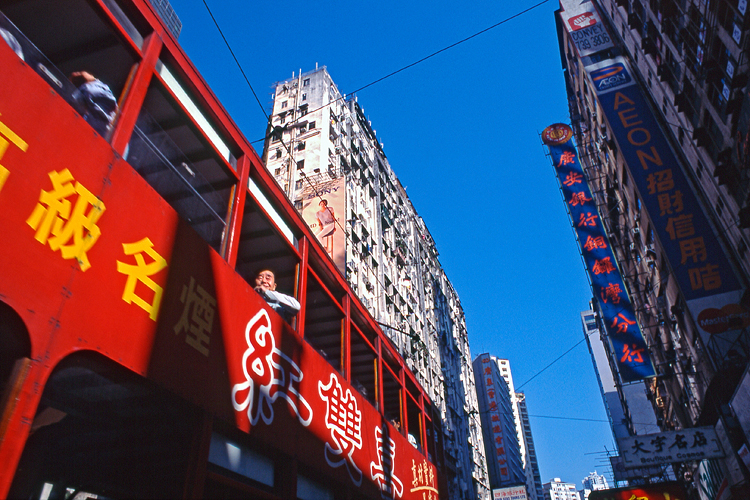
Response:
column 668, row 447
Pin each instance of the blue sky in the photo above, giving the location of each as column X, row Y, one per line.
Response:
column 461, row 130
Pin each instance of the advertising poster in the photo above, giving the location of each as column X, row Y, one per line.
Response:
column 323, row 208
column 585, row 26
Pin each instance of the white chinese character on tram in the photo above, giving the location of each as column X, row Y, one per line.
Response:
column 344, row 420
column 382, row 472
column 269, row 373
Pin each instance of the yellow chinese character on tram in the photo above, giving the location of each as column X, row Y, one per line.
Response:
column 141, row 272
column 66, row 227
column 7, row 136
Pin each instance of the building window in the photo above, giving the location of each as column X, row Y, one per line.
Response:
column 303, row 110
column 311, row 125
column 300, row 164
column 277, row 171
column 304, row 96
column 306, row 82
column 298, row 184
column 278, row 153
column 283, row 104
column 301, row 146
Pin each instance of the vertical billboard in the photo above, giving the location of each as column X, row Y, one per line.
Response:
column 323, row 206
column 488, row 382
column 702, row 269
column 624, row 334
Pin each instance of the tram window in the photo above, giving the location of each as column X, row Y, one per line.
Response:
column 392, row 398
column 66, row 36
column 414, row 416
column 364, row 368
column 263, row 247
column 308, row 489
column 240, row 459
column 15, row 344
column 430, row 432
column 324, row 322
column 168, row 150
column 103, row 430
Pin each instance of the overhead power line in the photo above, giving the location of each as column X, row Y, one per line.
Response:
column 378, row 80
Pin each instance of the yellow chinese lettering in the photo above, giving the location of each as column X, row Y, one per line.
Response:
column 141, row 272
column 8, row 137
column 73, row 231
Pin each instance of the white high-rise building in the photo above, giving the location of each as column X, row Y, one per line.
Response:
column 556, row 489
column 324, row 153
column 523, row 430
column 592, row 482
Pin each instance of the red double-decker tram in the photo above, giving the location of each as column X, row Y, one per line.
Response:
column 136, row 359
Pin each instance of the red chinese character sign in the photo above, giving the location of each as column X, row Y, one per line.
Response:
column 658, row 491
column 625, row 336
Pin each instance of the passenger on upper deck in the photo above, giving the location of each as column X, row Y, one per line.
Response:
column 12, row 42
column 265, row 284
column 95, row 100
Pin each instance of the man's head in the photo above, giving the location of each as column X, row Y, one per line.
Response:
column 265, row 279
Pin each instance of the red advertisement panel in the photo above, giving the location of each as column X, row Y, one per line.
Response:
column 661, row 491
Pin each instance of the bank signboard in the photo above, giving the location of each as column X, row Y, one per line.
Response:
column 618, row 314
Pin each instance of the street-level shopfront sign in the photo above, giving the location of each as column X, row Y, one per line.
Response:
column 658, row 491
column 668, row 447
column 510, row 493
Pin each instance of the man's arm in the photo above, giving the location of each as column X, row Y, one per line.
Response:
column 288, row 303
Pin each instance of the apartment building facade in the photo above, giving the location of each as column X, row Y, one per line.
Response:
column 325, row 155
column 657, row 94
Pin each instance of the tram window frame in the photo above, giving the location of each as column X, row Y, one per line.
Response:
column 414, row 418
column 66, row 36
column 169, row 70
column 322, row 310
column 392, row 394
column 266, row 241
column 174, row 156
column 363, row 352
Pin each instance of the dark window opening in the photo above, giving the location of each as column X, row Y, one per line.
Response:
column 60, row 38
column 176, row 159
column 15, row 345
column 103, row 430
column 324, row 320
column 263, row 246
column 364, row 363
column 392, row 402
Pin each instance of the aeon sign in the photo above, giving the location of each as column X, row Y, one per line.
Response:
column 610, row 77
